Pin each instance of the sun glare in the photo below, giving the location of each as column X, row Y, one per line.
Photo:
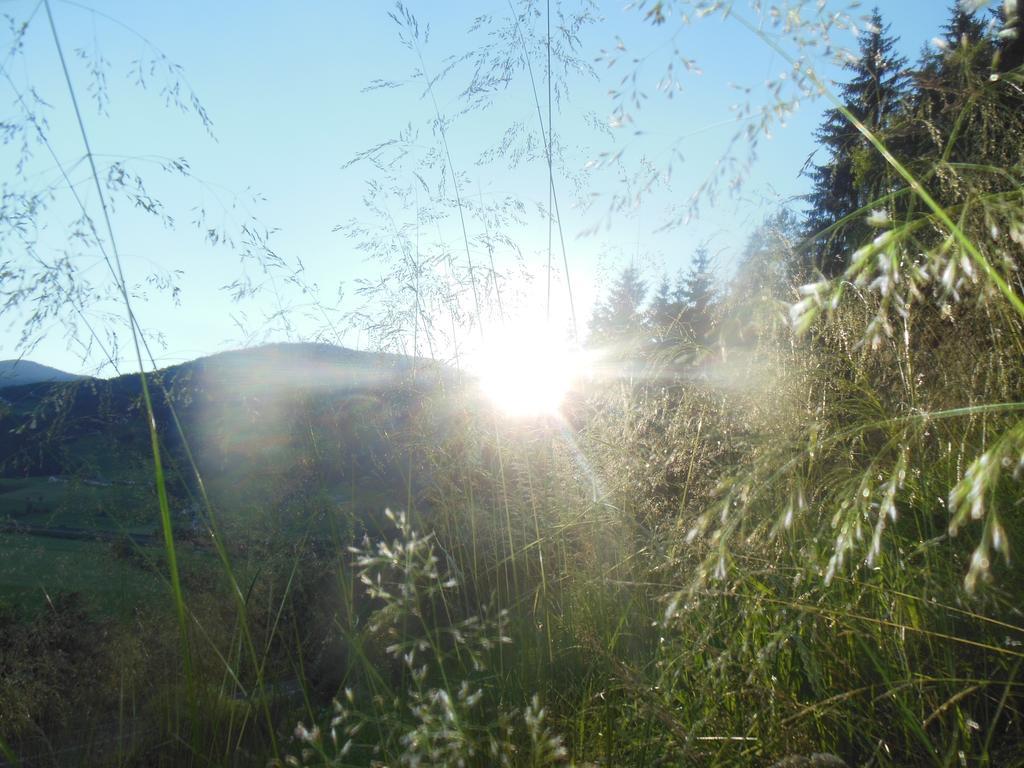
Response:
column 527, row 370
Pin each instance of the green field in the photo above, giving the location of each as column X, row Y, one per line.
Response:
column 76, row 504
column 35, row 568
column 76, row 537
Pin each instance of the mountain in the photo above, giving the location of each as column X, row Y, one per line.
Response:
column 264, row 425
column 14, row 373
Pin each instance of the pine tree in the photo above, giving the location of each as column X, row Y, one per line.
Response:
column 1010, row 21
column 963, row 113
column 767, row 265
column 963, row 27
column 619, row 320
column 961, row 133
column 950, row 81
column 663, row 312
column 854, row 175
column 697, row 296
column 964, row 47
column 763, row 283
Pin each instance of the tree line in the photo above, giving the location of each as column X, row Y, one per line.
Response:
column 955, row 119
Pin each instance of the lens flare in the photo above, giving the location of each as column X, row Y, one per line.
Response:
column 527, row 370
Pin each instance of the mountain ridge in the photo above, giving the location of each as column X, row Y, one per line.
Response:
column 19, row 371
column 254, row 407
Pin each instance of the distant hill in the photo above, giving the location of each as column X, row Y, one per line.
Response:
column 15, row 373
column 288, row 367
column 264, row 424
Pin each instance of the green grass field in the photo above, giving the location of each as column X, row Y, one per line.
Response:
column 76, row 504
column 34, row 568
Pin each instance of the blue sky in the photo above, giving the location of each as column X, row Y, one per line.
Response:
column 284, row 86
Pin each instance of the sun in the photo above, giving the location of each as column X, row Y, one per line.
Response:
column 526, row 370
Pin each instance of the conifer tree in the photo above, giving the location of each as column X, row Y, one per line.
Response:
column 696, row 295
column 963, row 47
column 949, row 82
column 663, row 312
column 963, row 27
column 619, row 320
column 762, row 286
column 964, row 112
column 853, row 174
column 1010, row 22
column 767, row 262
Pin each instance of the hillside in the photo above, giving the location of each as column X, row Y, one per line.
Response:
column 266, row 420
column 15, row 373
